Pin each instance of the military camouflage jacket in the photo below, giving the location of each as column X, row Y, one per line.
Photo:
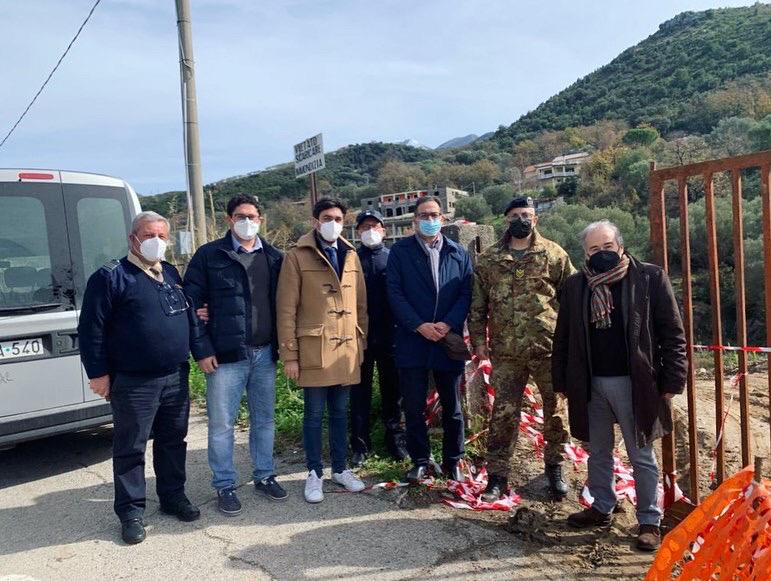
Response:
column 516, row 299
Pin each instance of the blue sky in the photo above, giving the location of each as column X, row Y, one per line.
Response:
column 271, row 73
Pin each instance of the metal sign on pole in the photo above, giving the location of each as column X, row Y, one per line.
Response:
column 308, row 159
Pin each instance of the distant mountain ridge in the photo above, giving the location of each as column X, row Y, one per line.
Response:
column 698, row 68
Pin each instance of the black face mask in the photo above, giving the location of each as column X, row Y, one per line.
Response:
column 604, row 260
column 521, row 227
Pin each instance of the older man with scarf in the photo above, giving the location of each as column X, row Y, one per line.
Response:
column 619, row 355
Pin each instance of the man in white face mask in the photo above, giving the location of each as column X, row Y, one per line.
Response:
column 135, row 335
column 235, row 277
column 322, row 327
column 373, row 255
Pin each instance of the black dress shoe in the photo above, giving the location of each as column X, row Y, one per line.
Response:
column 132, row 531
column 453, row 473
column 557, row 485
column 416, row 474
column 357, row 459
column 183, row 509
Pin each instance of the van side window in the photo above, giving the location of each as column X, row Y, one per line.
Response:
column 25, row 259
column 102, row 231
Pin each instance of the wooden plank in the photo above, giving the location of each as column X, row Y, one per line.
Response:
column 685, row 251
column 714, row 166
column 741, row 314
column 717, row 326
column 765, row 193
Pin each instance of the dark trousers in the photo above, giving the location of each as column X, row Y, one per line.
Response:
column 141, row 404
column 413, row 383
column 390, row 401
column 335, row 399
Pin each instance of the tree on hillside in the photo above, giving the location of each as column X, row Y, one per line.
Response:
column 732, row 136
column 482, row 173
column 397, row 176
column 498, row 197
column 641, row 136
column 473, row 208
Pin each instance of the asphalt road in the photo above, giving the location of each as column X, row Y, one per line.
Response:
column 56, row 522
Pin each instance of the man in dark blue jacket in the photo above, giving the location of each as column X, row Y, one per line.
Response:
column 134, row 332
column 429, row 288
column 236, row 277
column 373, row 255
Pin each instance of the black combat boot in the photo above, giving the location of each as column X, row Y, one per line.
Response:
column 496, row 487
column 558, row 488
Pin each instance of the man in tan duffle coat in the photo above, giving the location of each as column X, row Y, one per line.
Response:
column 321, row 310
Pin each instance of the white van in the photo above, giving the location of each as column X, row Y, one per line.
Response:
column 56, row 229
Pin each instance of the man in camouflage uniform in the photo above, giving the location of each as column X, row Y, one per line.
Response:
column 516, row 288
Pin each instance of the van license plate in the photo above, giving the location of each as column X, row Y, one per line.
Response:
column 21, row 348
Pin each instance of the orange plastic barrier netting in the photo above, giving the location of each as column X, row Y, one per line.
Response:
column 728, row 536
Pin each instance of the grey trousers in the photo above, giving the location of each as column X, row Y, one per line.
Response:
column 612, row 403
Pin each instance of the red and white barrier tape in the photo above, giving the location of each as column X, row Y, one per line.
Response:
column 731, row 348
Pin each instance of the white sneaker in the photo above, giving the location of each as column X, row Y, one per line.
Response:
column 348, row 479
column 313, row 488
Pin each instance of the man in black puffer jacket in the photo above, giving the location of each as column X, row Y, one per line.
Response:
column 380, row 341
column 236, row 277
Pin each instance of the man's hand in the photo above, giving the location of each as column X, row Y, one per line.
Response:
column 203, row 313
column 429, row 331
column 482, row 352
column 208, row 364
column 668, row 395
column 443, row 328
column 101, row 386
column 292, row 370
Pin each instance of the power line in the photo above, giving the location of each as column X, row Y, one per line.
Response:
column 51, row 74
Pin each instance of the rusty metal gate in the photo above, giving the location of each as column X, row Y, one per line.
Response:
column 658, row 226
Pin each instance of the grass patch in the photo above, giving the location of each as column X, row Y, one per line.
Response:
column 289, row 418
column 289, row 405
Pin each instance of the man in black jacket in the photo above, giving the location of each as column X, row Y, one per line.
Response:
column 134, row 332
column 373, row 255
column 235, row 277
column 619, row 356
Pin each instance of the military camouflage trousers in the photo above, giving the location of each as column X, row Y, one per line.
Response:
column 509, row 378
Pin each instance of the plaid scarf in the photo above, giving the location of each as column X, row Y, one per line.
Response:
column 602, row 300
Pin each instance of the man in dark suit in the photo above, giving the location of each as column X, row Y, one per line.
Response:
column 429, row 288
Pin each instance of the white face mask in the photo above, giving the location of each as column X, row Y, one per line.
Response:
column 330, row 231
column 371, row 238
column 153, row 249
column 246, row 229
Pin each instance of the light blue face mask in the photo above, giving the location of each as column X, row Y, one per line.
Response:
column 429, row 227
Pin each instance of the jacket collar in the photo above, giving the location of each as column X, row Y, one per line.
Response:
column 536, row 243
column 447, row 245
column 226, row 244
column 309, row 240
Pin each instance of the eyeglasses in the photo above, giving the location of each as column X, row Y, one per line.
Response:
column 429, row 215
column 173, row 300
column 252, row 217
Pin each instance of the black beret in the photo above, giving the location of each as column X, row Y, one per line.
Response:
column 520, row 202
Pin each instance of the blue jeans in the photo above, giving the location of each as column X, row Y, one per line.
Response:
column 256, row 374
column 336, row 399
column 611, row 403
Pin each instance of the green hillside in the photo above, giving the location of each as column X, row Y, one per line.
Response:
column 702, row 82
column 672, row 80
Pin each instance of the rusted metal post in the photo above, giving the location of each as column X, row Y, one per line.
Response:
column 685, row 254
column 741, row 315
column 717, row 323
column 658, row 225
column 765, row 193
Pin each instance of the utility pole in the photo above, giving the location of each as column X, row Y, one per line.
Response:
column 190, row 117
